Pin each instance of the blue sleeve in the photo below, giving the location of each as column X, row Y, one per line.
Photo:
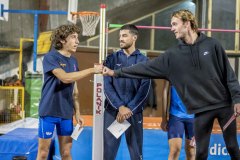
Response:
column 109, row 90
column 141, row 96
column 76, row 63
column 50, row 63
column 156, row 68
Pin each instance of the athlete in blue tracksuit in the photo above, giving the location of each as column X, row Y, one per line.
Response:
column 125, row 97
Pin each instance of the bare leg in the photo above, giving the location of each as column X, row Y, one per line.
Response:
column 65, row 145
column 43, row 148
column 190, row 150
column 175, row 145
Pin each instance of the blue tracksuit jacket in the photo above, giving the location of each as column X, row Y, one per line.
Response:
column 129, row 92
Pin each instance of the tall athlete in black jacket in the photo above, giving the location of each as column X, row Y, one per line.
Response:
column 199, row 69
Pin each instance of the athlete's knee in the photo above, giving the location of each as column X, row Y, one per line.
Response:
column 191, row 154
column 66, row 153
column 190, row 151
column 42, row 154
column 175, row 149
column 174, row 153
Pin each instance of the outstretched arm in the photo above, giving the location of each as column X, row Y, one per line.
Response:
column 155, row 68
column 73, row 76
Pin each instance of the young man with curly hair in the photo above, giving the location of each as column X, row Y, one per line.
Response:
column 59, row 100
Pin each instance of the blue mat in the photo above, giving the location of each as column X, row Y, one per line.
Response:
column 19, row 142
column 155, row 147
column 24, row 141
column 82, row 148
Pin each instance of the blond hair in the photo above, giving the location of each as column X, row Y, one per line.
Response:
column 186, row 15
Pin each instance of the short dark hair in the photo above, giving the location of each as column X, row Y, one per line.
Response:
column 131, row 27
column 61, row 33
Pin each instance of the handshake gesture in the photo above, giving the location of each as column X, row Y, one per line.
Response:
column 100, row 68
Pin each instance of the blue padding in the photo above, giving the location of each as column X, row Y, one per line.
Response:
column 152, row 139
column 155, row 147
column 19, row 142
column 24, row 141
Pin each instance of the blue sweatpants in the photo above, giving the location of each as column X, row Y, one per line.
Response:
column 134, row 136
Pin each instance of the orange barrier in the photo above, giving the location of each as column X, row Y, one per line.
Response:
column 148, row 122
column 153, row 123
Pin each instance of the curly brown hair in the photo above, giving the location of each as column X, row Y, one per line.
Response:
column 61, row 33
column 186, row 15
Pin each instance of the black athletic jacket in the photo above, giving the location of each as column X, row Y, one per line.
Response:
column 200, row 72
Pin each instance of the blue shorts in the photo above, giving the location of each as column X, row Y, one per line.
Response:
column 47, row 124
column 178, row 126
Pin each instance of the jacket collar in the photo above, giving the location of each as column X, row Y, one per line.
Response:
column 136, row 52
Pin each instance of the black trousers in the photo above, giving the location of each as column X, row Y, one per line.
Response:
column 203, row 125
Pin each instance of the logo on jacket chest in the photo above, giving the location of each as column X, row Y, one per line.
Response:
column 205, row 53
column 119, row 64
column 62, row 64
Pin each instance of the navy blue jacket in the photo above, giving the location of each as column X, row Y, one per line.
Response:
column 129, row 92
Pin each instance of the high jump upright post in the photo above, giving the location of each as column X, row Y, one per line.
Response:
column 99, row 97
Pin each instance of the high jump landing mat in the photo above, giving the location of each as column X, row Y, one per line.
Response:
column 23, row 141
